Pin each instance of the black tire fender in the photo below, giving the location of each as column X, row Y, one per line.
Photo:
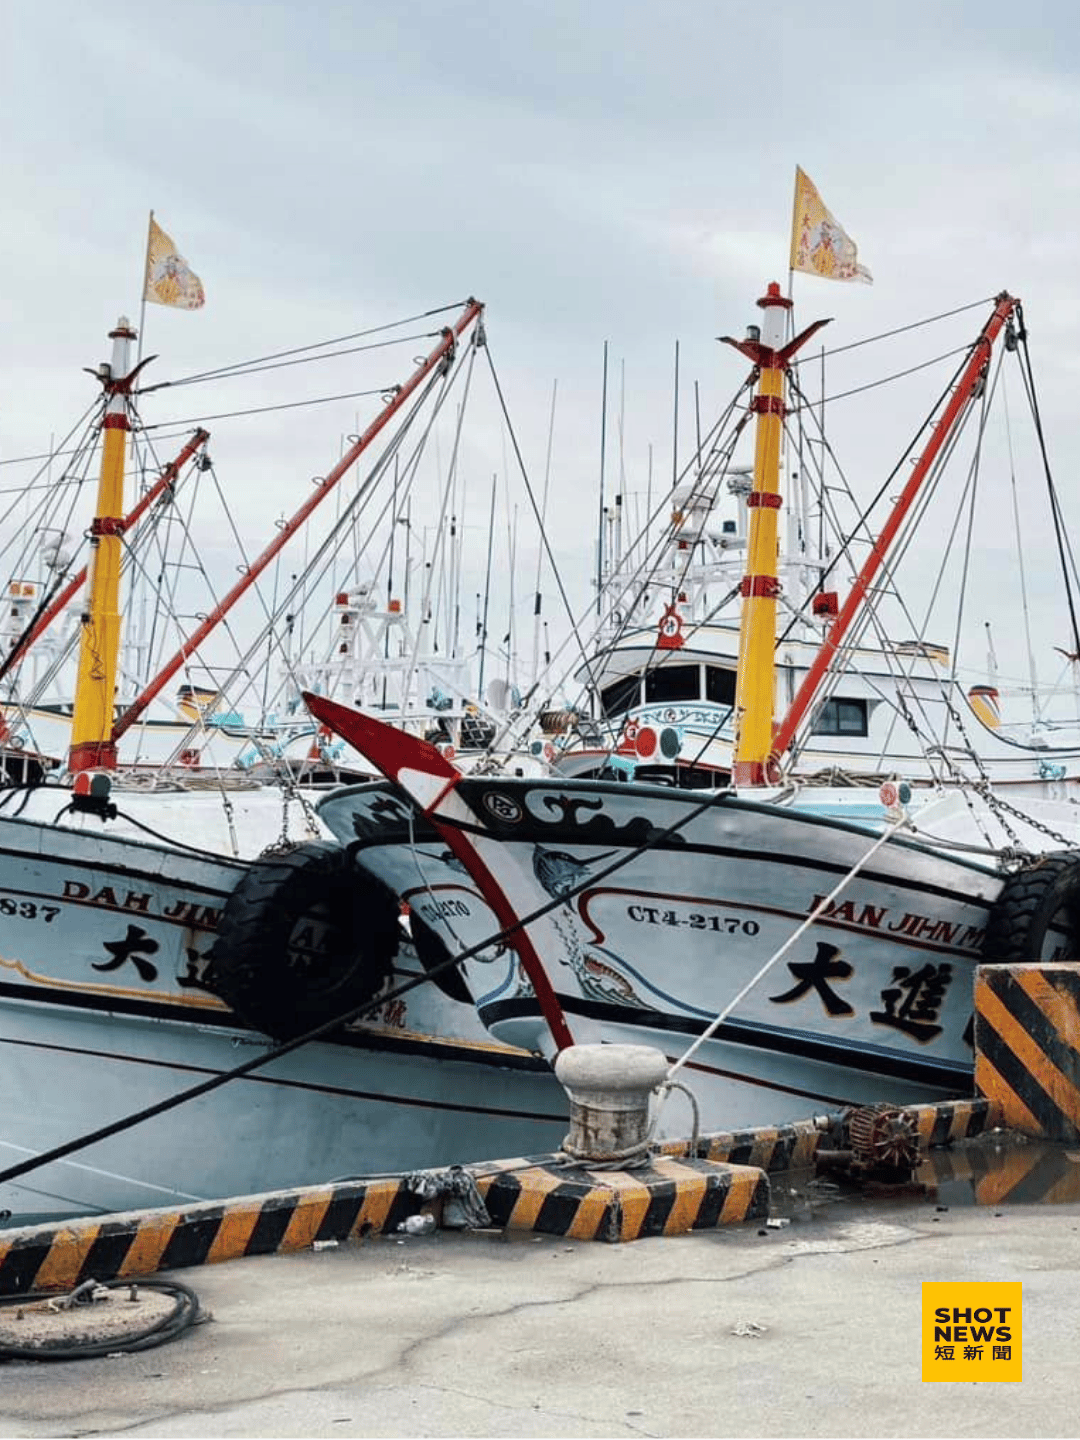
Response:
column 305, row 937
column 1037, row 913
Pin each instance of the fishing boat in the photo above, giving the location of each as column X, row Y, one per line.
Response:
column 152, row 943
column 656, row 682
column 794, row 947
column 657, row 696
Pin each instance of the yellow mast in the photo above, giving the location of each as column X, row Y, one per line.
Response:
column 755, row 680
column 92, row 744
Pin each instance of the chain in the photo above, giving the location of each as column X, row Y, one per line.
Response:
column 230, row 818
column 290, row 792
column 1015, row 853
column 998, row 807
column 997, row 804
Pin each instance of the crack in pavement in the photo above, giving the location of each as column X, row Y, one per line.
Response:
column 854, row 1238
column 534, row 1409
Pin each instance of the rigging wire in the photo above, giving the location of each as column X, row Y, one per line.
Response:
column 232, row 372
column 331, row 547
column 896, row 375
column 636, row 577
column 798, row 614
column 1055, row 507
column 716, row 465
column 445, row 505
column 266, row 409
column 536, row 512
column 915, row 325
column 225, row 370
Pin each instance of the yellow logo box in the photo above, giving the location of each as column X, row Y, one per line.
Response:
column 971, row 1331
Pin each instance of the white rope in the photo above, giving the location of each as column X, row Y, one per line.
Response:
column 822, row 905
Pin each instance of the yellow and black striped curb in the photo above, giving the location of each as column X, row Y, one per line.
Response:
column 777, row 1148
column 113, row 1247
column 1027, row 1034
column 540, row 1194
column 669, row 1196
column 952, row 1120
column 773, row 1148
column 724, row 1183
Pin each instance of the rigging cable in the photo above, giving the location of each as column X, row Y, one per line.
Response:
column 536, row 512
column 225, row 370
column 263, row 409
column 269, row 362
column 915, row 325
column 1055, row 507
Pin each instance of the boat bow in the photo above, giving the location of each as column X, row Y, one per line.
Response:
column 430, row 782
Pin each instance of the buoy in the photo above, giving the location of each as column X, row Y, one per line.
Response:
column 645, row 742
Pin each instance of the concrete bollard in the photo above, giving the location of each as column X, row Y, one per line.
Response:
column 609, row 1087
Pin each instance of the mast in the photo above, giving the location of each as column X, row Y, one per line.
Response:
column 487, row 586
column 755, row 680
column 538, row 599
column 600, row 516
column 164, row 482
column 441, row 355
column 966, row 387
column 99, row 642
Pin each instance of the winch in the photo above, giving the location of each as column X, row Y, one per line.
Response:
column 872, row 1142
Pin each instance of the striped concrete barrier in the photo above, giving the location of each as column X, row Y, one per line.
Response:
column 772, row 1148
column 114, row 1247
column 670, row 1196
column 1027, row 1046
column 952, row 1120
column 725, row 1182
column 793, row 1147
column 539, row 1194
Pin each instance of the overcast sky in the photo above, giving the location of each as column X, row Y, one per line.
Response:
column 594, row 172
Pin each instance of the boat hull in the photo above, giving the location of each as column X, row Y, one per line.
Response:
column 678, row 902
column 102, row 1013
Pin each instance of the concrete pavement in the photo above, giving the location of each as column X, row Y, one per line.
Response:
column 813, row 1329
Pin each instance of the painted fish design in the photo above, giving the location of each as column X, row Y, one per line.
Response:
column 559, row 873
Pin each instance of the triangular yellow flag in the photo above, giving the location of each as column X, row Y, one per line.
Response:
column 818, row 244
column 169, row 279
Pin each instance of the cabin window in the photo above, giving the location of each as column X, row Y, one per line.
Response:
column 841, row 717
column 672, row 682
column 719, row 685
column 621, row 696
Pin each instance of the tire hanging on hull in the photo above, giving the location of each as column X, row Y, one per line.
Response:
column 303, row 938
column 1042, row 900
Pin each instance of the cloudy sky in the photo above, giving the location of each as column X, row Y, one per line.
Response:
column 601, row 172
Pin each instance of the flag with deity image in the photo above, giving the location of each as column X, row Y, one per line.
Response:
column 819, row 246
column 169, row 278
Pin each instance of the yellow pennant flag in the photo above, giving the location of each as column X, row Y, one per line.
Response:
column 818, row 244
column 169, row 279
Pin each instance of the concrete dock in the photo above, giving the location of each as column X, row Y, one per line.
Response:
column 810, row 1329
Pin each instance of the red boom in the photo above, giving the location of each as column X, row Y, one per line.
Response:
column 445, row 346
